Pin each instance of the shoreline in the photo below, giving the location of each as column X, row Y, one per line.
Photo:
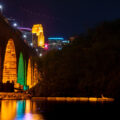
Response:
column 25, row 96
column 14, row 96
column 75, row 99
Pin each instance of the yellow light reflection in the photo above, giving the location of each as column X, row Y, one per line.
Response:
column 10, row 67
column 19, row 110
column 8, row 109
column 28, row 106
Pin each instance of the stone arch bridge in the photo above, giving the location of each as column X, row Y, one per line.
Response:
column 17, row 63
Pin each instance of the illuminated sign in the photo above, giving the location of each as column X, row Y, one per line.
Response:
column 55, row 38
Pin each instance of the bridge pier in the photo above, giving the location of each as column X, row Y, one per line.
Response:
column 13, row 67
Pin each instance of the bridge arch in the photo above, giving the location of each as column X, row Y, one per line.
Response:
column 10, row 63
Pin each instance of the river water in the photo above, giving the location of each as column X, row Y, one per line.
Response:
column 48, row 110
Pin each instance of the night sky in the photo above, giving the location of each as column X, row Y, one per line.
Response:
column 62, row 17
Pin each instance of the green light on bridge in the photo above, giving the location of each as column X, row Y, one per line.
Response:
column 25, row 85
column 25, row 74
column 21, row 74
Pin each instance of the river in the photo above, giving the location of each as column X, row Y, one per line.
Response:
column 49, row 110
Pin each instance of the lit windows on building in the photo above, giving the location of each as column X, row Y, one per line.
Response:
column 57, row 43
column 38, row 36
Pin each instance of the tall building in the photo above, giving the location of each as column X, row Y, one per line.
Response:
column 38, row 36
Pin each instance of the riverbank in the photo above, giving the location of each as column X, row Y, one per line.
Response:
column 24, row 96
column 75, row 99
column 14, row 96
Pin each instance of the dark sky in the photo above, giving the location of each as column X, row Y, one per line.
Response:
column 62, row 17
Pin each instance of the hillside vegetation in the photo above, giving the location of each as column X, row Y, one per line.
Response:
column 89, row 66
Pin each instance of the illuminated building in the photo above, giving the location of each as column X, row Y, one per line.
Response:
column 38, row 36
column 29, row 74
column 10, row 67
column 21, row 72
column 56, row 43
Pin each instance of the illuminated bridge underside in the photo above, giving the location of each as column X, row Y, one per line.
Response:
column 29, row 74
column 21, row 72
column 35, row 77
column 10, row 67
column 0, row 67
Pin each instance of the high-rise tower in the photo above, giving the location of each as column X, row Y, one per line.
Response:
column 38, row 36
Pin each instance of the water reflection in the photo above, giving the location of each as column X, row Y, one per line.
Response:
column 19, row 110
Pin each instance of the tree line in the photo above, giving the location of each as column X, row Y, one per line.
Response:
column 88, row 66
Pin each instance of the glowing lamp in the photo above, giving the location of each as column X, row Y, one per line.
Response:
column 24, row 36
column 1, row 7
column 40, row 55
column 15, row 25
column 46, row 46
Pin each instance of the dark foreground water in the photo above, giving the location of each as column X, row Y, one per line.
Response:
column 44, row 110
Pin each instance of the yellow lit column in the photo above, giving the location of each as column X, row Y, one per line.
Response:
column 0, row 68
column 10, row 67
column 35, row 77
column 29, row 74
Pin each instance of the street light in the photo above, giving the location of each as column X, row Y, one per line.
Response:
column 40, row 54
column 31, row 44
column 1, row 8
column 24, row 36
column 15, row 25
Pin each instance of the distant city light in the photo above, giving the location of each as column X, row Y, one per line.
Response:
column 40, row 55
column 23, row 28
column 24, row 36
column 31, row 44
column 36, row 50
column 15, row 25
column 66, row 41
column 56, row 38
column 1, row 8
column 60, row 48
column 46, row 46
